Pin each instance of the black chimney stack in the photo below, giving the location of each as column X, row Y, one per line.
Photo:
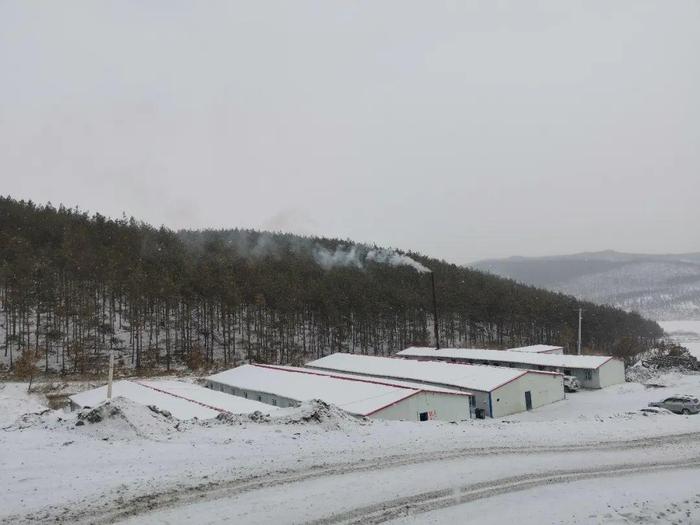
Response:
column 435, row 316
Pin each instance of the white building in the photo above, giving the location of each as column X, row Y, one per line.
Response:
column 591, row 370
column 497, row 391
column 284, row 386
column 539, row 349
column 182, row 400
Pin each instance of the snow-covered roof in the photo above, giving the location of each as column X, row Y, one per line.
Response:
column 537, row 349
column 357, row 395
column 182, row 400
column 470, row 377
column 506, row 356
column 369, row 379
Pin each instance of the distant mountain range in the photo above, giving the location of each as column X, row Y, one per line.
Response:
column 661, row 287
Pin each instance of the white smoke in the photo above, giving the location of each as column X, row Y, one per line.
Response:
column 353, row 257
column 345, row 257
column 393, row 258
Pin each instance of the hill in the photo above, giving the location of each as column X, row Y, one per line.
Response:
column 664, row 287
column 74, row 285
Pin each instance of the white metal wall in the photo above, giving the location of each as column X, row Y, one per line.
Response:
column 611, row 373
column 442, row 407
column 510, row 398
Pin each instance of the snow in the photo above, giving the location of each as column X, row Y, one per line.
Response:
column 183, row 400
column 15, row 401
column 292, row 469
column 506, row 356
column 538, row 349
column 616, row 401
column 368, row 379
column 361, row 396
column 675, row 498
column 470, row 377
column 686, row 333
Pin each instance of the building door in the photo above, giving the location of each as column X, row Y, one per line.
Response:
column 528, row 400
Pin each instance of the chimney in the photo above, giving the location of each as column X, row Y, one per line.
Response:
column 435, row 313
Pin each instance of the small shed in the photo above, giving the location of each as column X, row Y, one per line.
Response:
column 592, row 371
column 285, row 386
column 497, row 391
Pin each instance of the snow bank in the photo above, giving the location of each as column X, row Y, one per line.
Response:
column 316, row 412
column 15, row 401
column 122, row 418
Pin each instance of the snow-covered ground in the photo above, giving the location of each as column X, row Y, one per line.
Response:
column 686, row 333
column 591, row 458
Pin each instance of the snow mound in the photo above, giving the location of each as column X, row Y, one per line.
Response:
column 31, row 419
column 641, row 373
column 121, row 418
column 315, row 413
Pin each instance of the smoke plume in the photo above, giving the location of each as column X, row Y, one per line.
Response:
column 355, row 257
column 393, row 258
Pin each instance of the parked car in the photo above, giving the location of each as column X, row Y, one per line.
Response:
column 679, row 404
column 655, row 410
column 571, row 384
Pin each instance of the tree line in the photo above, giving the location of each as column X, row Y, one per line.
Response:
column 74, row 286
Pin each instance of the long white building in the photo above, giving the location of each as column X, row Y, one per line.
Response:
column 285, row 386
column 183, row 400
column 591, row 370
column 497, row 391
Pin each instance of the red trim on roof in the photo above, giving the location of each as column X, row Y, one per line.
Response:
column 395, row 402
column 182, row 397
column 522, row 370
column 418, row 388
column 604, row 362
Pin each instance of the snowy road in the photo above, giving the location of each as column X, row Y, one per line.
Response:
column 382, row 492
column 141, row 469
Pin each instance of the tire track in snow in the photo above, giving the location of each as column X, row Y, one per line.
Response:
column 106, row 509
column 440, row 499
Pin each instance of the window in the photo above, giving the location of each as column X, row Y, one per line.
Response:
column 274, row 401
column 423, row 416
column 588, row 375
column 259, row 398
column 245, row 394
column 472, row 401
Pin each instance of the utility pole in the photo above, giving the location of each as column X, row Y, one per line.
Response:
column 111, row 373
column 580, row 317
column 435, row 313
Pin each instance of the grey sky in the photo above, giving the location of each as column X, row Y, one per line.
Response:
column 461, row 129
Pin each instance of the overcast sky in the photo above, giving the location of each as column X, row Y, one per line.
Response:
column 462, row 130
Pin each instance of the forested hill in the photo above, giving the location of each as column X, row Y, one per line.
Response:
column 74, row 285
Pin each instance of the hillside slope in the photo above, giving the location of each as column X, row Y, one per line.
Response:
column 73, row 286
column 663, row 287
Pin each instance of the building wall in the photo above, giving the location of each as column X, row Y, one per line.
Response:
column 263, row 397
column 611, row 373
column 442, row 407
column 510, row 398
